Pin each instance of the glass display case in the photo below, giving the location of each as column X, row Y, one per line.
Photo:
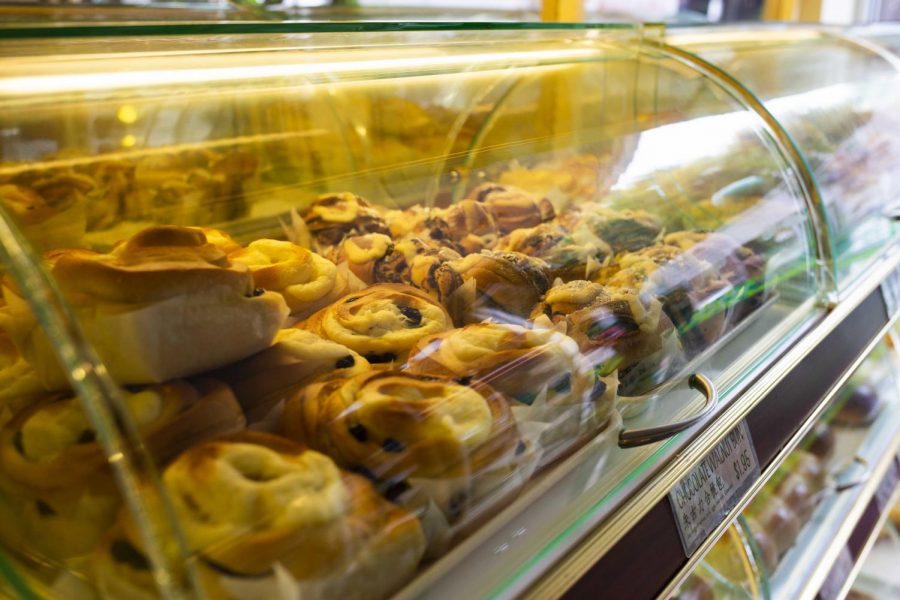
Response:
column 349, row 310
column 837, row 97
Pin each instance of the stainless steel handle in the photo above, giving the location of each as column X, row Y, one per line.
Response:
column 641, row 437
column 860, row 479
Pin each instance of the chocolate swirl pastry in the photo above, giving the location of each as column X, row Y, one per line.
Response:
column 372, row 258
column 162, row 305
column 499, row 285
column 251, row 501
column 468, row 224
column 431, row 269
column 396, row 425
column 511, row 207
column 381, row 322
column 623, row 230
column 615, row 328
column 55, row 474
column 261, row 381
column 570, row 255
column 305, row 280
column 332, row 217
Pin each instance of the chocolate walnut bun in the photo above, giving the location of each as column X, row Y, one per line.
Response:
column 569, row 255
column 623, row 230
column 467, row 226
column 332, row 217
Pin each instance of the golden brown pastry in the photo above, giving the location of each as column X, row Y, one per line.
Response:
column 164, row 304
column 52, row 221
column 431, row 269
column 372, row 258
column 381, row 322
column 467, row 223
column 332, row 217
column 511, row 207
column 615, row 328
column 541, row 369
column 252, row 502
column 570, row 256
column 305, row 280
column 19, row 384
column 261, row 381
column 55, row 475
column 500, row 285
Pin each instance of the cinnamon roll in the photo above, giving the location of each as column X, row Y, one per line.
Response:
column 511, row 207
column 305, row 280
column 252, row 503
column 164, row 304
column 381, row 322
column 55, row 473
column 332, row 217
column 499, row 285
column 261, row 381
column 570, row 255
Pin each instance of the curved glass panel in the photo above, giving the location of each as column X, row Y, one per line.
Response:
column 374, row 298
column 839, row 101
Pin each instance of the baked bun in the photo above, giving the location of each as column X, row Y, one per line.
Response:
column 557, row 395
column 332, row 217
column 381, row 322
column 261, row 381
column 56, row 475
column 569, row 255
column 468, row 224
column 163, row 305
column 860, row 408
column 305, row 280
column 615, row 328
column 779, row 521
column 503, row 286
column 371, row 257
column 51, row 211
column 252, row 503
column 511, row 207
column 623, row 230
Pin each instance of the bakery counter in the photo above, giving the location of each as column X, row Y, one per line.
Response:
column 474, row 302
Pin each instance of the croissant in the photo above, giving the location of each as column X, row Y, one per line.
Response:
column 570, row 256
column 511, row 207
column 297, row 356
column 55, row 474
column 503, row 285
column 251, row 501
column 305, row 280
column 332, row 217
column 381, row 322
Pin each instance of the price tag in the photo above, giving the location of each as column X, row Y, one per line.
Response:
column 705, row 496
column 890, row 291
column 834, row 584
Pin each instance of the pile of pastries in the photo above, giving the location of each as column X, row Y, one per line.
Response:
column 333, row 410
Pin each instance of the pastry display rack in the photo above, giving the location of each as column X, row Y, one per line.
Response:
column 426, row 309
column 807, row 531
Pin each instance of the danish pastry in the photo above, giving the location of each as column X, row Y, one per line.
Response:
column 55, row 473
column 305, row 280
column 252, row 503
column 504, row 286
column 624, row 230
column 381, row 322
column 332, row 217
column 570, row 256
column 164, row 304
column 511, row 207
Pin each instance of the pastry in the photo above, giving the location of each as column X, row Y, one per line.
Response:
column 860, row 408
column 623, row 230
column 569, row 255
column 19, row 384
column 500, row 285
column 332, row 217
column 468, row 224
column 456, row 443
column 252, row 504
column 511, row 207
column 163, row 305
column 55, row 475
column 541, row 369
column 305, row 280
column 372, row 258
column 778, row 520
column 57, row 220
column 820, row 442
column 616, row 328
column 260, row 381
column 431, row 270
column 381, row 322
column 767, row 550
